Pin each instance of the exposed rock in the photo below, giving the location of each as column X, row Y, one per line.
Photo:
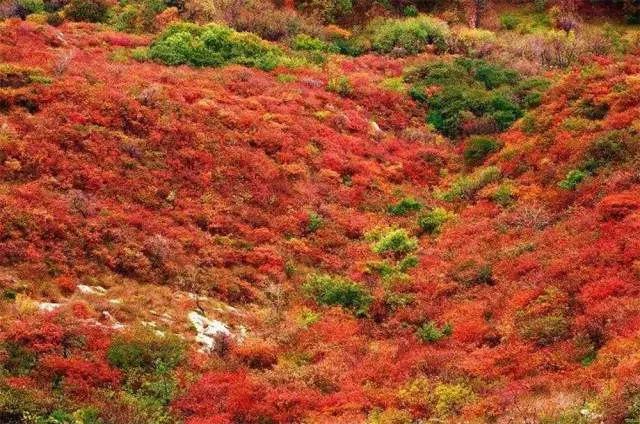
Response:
column 94, row 290
column 208, row 330
column 48, row 307
column 115, row 324
column 375, row 131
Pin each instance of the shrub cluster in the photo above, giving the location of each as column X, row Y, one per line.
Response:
column 213, row 45
column 409, row 36
column 337, row 291
column 430, row 332
column 473, row 273
column 404, row 207
column 87, row 10
column 340, row 84
column 478, row 148
column 145, row 350
column 432, row 222
column 466, row 186
column 545, row 320
column 328, row 10
column 610, row 148
column 136, row 16
column 476, row 97
column 394, row 241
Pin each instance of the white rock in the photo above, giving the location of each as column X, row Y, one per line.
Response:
column 207, row 330
column 48, row 307
column 97, row 290
column 116, row 325
column 374, row 130
column 197, row 297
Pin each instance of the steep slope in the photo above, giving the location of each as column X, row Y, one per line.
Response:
column 358, row 267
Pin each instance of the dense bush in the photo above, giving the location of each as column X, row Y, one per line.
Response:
column 473, row 273
column 314, row 222
column 404, row 207
column 573, row 179
column 504, row 195
column 306, row 42
column 267, row 21
column 31, row 6
column 508, row 21
column 590, row 110
column 430, row 332
column 466, row 186
column 213, row 45
column 409, row 36
column 610, row 148
column 146, row 351
column 328, row 10
column 432, row 222
column 474, row 42
column 332, row 291
column 478, row 148
column 545, row 319
column 475, row 97
column 87, row 10
column 395, row 241
column 55, row 18
column 136, row 16
column 340, row 84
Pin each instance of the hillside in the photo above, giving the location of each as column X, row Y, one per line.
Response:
column 406, row 220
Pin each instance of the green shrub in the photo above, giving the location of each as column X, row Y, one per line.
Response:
column 136, row 16
column 607, row 149
column 410, row 35
column 410, row 11
column 340, row 85
column 474, row 42
column 18, row 360
column 17, row 404
column 540, row 5
column 431, row 223
column 315, row 222
column 478, row 148
column 509, row 22
column 466, row 186
column 306, row 42
column 573, row 178
column 352, row 46
column 503, row 195
column 404, row 207
column 394, row 241
column 450, row 398
column 476, row 95
column 545, row 319
column 337, row 291
column 87, row 10
column 213, row 45
column 146, row 351
column 329, row 10
column 31, row 6
column 430, row 333
column 594, row 111
column 55, row 19
column 633, row 410
column 473, row 273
